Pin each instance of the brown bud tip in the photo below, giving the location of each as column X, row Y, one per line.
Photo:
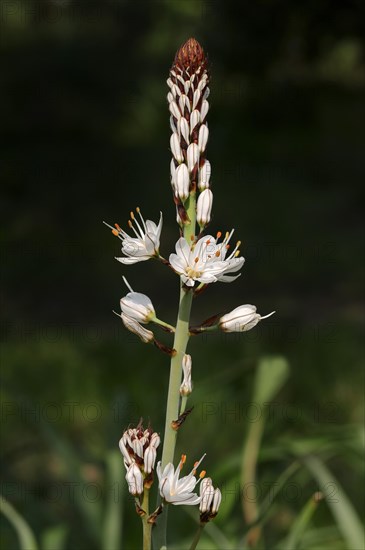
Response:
column 190, row 56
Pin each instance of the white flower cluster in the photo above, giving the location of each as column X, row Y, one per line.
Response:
column 139, row 450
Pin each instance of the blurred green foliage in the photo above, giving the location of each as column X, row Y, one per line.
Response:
column 85, row 138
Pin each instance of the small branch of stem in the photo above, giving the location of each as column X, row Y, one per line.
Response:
column 147, row 527
column 197, row 536
column 157, row 321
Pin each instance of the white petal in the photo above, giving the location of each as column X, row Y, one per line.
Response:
column 175, row 147
column 174, row 110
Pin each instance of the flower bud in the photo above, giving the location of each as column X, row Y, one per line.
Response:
column 241, row 319
column 206, row 493
column 186, row 385
column 217, row 499
column 175, row 147
column 203, row 137
column 184, row 129
column 182, row 181
column 192, row 156
column 194, row 119
column 123, row 449
column 149, row 459
column 204, row 207
column 204, row 176
column 131, row 324
column 134, row 479
column 138, row 307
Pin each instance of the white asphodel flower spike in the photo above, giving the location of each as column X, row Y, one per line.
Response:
column 186, row 386
column 137, row 306
column 179, row 491
column 207, row 260
column 241, row 319
column 144, row 245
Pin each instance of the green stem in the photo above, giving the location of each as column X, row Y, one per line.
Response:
column 147, row 527
column 173, row 399
column 197, row 536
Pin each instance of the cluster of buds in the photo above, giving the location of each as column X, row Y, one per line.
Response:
column 210, row 500
column 139, row 449
column 188, row 82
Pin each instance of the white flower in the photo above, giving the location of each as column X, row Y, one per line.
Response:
column 134, row 479
column 206, row 261
column 241, row 319
column 178, row 491
column 204, row 207
column 131, row 324
column 138, row 307
column 186, row 385
column 144, row 245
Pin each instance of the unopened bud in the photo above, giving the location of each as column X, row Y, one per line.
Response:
column 204, row 207
column 241, row 319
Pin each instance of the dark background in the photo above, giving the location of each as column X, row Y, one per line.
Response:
column 85, row 138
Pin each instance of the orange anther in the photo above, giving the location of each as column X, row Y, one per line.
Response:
column 196, row 260
column 130, row 223
column 117, row 226
column 207, row 242
column 202, row 474
column 132, row 215
column 115, row 232
column 228, row 246
column 218, row 253
column 183, row 459
column 219, row 234
column 138, row 209
column 192, row 237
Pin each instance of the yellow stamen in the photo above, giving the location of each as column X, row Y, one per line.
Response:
column 138, row 209
column 132, row 215
column 237, row 254
column 202, row 474
column 238, row 243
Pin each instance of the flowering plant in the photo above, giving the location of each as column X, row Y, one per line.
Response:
column 199, row 260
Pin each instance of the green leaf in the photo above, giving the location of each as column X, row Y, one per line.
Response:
column 113, row 518
column 54, row 538
column 342, row 509
column 271, row 375
column 27, row 540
